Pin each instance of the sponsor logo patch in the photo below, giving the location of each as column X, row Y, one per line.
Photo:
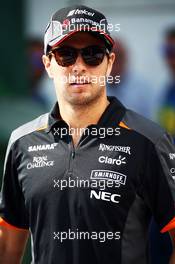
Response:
column 172, row 156
column 111, row 148
column 105, row 196
column 42, row 147
column 39, row 162
column 71, row 13
column 116, row 161
column 119, row 178
column 80, row 12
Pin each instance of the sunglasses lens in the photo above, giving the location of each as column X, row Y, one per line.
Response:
column 93, row 55
column 65, row 56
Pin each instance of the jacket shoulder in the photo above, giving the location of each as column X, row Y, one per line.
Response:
column 36, row 124
column 143, row 126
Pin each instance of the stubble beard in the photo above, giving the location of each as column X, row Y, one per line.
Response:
column 85, row 99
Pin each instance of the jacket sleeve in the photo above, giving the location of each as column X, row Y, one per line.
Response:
column 12, row 203
column 159, row 182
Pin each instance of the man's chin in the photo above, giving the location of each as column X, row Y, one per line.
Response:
column 81, row 99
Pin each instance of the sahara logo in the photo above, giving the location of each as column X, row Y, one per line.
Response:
column 42, row 147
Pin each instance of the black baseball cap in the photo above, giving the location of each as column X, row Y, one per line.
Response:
column 69, row 20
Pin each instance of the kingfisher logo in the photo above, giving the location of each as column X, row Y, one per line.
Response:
column 111, row 148
column 42, row 147
column 80, row 12
column 119, row 161
column 119, row 178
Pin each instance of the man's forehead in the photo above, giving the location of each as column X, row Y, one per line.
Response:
column 83, row 38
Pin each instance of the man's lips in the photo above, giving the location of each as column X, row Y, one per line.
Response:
column 79, row 81
column 78, row 86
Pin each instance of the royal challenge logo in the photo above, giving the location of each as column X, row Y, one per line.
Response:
column 40, row 162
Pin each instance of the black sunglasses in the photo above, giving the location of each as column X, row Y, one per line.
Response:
column 92, row 55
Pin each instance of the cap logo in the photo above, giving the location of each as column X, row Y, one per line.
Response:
column 71, row 13
column 80, row 12
column 65, row 23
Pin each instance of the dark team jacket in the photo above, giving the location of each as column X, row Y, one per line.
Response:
column 129, row 173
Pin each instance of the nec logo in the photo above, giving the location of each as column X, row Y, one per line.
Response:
column 80, row 12
column 105, row 196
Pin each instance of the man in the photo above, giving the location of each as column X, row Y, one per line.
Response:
column 122, row 161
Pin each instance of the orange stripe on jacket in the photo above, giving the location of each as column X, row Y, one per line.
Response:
column 41, row 128
column 4, row 223
column 122, row 124
column 169, row 226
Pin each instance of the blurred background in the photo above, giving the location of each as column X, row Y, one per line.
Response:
column 145, row 51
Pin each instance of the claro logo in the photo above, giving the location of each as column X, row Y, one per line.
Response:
column 105, row 196
column 118, row 161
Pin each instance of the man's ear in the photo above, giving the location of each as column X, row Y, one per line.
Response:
column 47, row 64
column 110, row 63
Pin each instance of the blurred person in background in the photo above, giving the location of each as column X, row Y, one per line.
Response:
column 160, row 243
column 46, row 91
column 133, row 90
column 167, row 108
column 34, row 48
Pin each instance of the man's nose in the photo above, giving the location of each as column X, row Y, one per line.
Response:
column 79, row 66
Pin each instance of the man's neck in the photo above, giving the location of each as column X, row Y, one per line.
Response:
column 78, row 117
column 83, row 115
